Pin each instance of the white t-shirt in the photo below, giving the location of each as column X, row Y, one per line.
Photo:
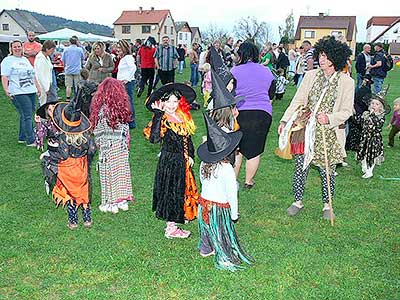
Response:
column 221, row 187
column 20, row 74
column 126, row 68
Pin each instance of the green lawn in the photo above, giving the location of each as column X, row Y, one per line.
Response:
column 126, row 256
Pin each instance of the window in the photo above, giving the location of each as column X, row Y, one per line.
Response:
column 172, row 29
column 126, row 29
column 337, row 33
column 165, row 29
column 309, row 34
column 6, row 27
column 180, row 35
column 146, row 29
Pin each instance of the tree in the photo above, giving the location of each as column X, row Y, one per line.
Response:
column 251, row 29
column 287, row 32
column 214, row 32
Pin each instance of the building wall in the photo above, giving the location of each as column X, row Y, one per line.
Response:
column 186, row 38
column 374, row 31
column 14, row 28
column 136, row 32
column 155, row 31
column 392, row 35
column 196, row 38
column 171, row 33
column 320, row 33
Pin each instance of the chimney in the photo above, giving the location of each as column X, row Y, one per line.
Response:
column 140, row 10
column 321, row 15
column 152, row 8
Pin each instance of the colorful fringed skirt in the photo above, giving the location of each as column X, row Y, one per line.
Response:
column 217, row 233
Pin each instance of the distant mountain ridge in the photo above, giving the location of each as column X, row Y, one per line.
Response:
column 52, row 23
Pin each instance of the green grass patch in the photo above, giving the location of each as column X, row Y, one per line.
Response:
column 125, row 256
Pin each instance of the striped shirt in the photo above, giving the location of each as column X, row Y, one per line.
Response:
column 166, row 57
column 310, row 54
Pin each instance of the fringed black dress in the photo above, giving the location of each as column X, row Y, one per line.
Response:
column 171, row 196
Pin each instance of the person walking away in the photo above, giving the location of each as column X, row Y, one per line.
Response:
column 147, row 65
column 181, row 58
column 73, row 58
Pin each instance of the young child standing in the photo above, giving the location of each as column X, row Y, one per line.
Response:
column 218, row 204
column 281, row 83
column 207, row 83
column 45, row 129
column 75, row 150
column 110, row 116
column 370, row 151
column 175, row 192
column 394, row 122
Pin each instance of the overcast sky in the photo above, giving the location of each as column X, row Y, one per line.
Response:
column 201, row 13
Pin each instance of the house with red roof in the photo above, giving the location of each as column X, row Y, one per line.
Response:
column 383, row 30
column 139, row 24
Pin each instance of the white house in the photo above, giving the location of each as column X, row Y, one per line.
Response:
column 383, row 29
column 184, row 34
column 18, row 22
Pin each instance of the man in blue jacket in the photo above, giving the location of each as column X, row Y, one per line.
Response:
column 377, row 69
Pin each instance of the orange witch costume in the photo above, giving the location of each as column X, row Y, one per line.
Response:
column 74, row 152
column 175, row 193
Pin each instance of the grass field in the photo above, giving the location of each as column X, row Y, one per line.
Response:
column 125, row 256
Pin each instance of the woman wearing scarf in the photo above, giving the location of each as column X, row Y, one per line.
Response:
column 324, row 99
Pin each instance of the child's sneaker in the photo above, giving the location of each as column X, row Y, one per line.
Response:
column 103, row 208
column 176, row 232
column 47, row 187
column 207, row 254
column 123, row 205
column 112, row 208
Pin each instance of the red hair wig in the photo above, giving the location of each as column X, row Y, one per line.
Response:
column 184, row 107
column 112, row 94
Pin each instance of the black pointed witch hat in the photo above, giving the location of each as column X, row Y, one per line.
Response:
column 68, row 117
column 219, row 144
column 218, row 65
column 220, row 95
column 380, row 96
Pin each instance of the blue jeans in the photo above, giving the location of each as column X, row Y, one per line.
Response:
column 180, row 66
column 129, row 87
column 194, row 74
column 52, row 96
column 25, row 105
column 359, row 81
column 378, row 82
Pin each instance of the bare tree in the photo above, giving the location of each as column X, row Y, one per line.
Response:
column 287, row 32
column 214, row 32
column 251, row 29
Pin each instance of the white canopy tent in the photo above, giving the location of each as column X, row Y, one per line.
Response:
column 65, row 34
column 8, row 38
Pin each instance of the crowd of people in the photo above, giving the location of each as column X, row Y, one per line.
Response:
column 238, row 83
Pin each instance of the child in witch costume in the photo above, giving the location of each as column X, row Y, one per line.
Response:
column 175, row 192
column 45, row 129
column 75, row 151
column 218, row 204
column 370, row 151
column 110, row 115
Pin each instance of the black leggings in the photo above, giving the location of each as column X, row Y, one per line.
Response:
column 73, row 213
column 300, row 178
column 392, row 134
column 147, row 78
